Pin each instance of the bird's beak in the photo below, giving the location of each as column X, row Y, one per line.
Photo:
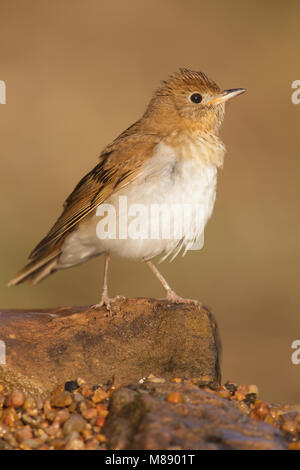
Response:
column 225, row 96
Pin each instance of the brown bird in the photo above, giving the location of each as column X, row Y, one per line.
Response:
column 164, row 167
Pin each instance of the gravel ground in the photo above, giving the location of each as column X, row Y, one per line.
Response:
column 72, row 418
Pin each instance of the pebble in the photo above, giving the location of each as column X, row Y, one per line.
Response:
column 15, row 399
column 23, row 433
column 75, row 423
column 102, row 409
column 156, row 380
column 62, row 416
column 75, row 444
column 71, row 385
column 9, row 416
column 89, row 413
column 231, row 387
column 175, row 397
column 261, row 410
column 253, row 389
column 100, row 421
column 99, row 395
column 224, row 392
column 61, row 400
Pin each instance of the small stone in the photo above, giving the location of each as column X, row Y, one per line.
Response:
column 260, row 411
column 89, row 413
column 86, row 434
column 100, row 421
column 91, row 444
column 71, row 385
column 33, row 421
column 86, row 391
column 47, row 406
column 4, row 429
column 58, row 444
column 15, row 399
column 102, row 409
column 250, row 399
column 62, row 416
column 75, row 423
column 33, row 443
column 99, row 395
column 53, row 429
column 224, row 392
column 24, row 446
column 61, row 400
column 240, row 396
column 175, row 397
column 9, row 417
column 23, row 433
column 80, row 381
column 75, row 444
column 77, row 397
column 231, row 387
column 253, row 389
column 51, row 416
column 11, row 440
column 156, row 380
column 243, row 389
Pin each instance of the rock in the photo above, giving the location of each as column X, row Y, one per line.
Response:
column 45, row 348
column 74, row 424
column 24, row 433
column 90, row 413
column 143, row 417
column 61, row 400
column 15, row 399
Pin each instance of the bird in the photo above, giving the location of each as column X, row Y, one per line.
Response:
column 168, row 158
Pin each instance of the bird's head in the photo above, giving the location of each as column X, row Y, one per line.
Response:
column 189, row 100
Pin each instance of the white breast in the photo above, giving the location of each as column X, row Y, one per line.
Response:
column 166, row 181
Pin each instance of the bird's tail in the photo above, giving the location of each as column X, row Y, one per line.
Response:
column 37, row 269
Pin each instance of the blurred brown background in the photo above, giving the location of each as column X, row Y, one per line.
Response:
column 78, row 72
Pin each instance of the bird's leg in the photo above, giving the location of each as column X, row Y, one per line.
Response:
column 105, row 300
column 171, row 295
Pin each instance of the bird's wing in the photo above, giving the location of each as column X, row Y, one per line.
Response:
column 120, row 163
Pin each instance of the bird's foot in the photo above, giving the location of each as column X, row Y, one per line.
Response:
column 107, row 302
column 176, row 299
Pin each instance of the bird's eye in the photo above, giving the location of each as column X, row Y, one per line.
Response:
column 196, row 98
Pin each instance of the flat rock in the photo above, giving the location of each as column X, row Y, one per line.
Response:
column 45, row 348
column 147, row 417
